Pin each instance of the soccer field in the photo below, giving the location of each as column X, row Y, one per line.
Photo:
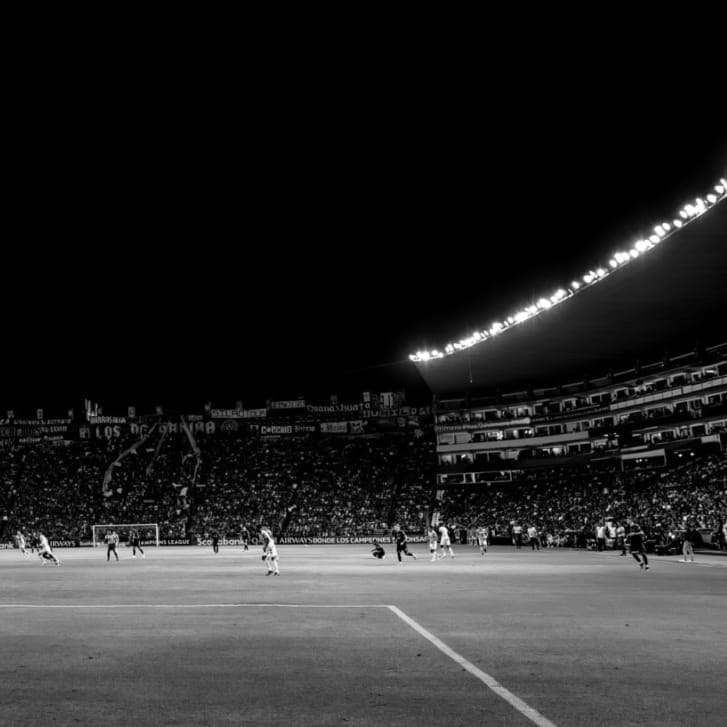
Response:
column 187, row 637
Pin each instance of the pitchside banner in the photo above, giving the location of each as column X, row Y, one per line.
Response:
column 302, row 540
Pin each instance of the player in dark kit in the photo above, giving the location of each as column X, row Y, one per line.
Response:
column 245, row 535
column 636, row 543
column 400, row 540
column 215, row 542
column 134, row 542
column 378, row 551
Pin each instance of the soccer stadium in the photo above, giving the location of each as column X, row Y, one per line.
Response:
column 540, row 541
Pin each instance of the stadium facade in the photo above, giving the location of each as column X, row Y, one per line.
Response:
column 631, row 370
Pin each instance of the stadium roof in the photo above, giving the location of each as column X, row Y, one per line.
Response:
column 665, row 301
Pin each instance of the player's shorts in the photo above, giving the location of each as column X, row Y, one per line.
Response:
column 445, row 543
column 432, row 547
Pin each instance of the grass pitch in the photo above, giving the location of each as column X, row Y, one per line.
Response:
column 187, row 637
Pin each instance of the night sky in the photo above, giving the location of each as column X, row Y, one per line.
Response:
column 166, row 254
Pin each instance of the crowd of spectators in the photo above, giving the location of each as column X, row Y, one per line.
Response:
column 219, row 484
column 568, row 504
column 329, row 485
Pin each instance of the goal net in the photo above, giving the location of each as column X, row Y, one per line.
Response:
column 148, row 533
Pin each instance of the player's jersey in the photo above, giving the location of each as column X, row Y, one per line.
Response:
column 636, row 540
column 44, row 544
column 482, row 534
column 432, row 539
column 400, row 538
column 444, row 535
column 110, row 540
column 20, row 540
column 269, row 543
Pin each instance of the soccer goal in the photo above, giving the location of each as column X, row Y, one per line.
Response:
column 147, row 532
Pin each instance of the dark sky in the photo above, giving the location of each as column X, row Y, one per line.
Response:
column 181, row 245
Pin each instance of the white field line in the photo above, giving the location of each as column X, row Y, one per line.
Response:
column 526, row 710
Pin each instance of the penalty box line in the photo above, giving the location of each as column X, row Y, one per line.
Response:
column 489, row 681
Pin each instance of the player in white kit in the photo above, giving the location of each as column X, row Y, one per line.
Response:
column 44, row 551
column 20, row 540
column 270, row 552
column 482, row 535
column 444, row 542
column 432, row 535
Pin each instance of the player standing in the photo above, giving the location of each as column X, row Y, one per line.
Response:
column 270, row 552
column 401, row 546
column 45, row 552
column 432, row 536
column 245, row 535
column 482, row 534
column 111, row 539
column 444, row 541
column 215, row 542
column 134, row 542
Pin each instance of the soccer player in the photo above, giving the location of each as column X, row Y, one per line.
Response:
column 111, row 539
column 215, row 542
column 621, row 538
column 245, row 537
column 636, row 541
column 401, row 546
column 432, row 536
column 482, row 535
column 688, row 540
column 270, row 552
column 20, row 540
column 45, row 552
column 378, row 551
column 534, row 538
column 444, row 541
column 134, row 541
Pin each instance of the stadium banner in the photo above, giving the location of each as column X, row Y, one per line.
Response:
column 33, row 431
column 239, row 413
column 290, row 404
column 277, row 430
column 116, row 431
column 337, row 408
column 334, row 427
column 361, row 540
column 306, row 540
column 106, row 420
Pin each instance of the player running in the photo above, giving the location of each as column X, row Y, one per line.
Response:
column 270, row 552
column 401, row 546
column 45, row 552
column 20, row 540
column 444, row 542
column 636, row 542
column 482, row 535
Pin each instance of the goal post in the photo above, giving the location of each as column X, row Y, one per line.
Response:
column 147, row 531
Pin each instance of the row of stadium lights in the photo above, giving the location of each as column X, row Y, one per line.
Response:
column 688, row 213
